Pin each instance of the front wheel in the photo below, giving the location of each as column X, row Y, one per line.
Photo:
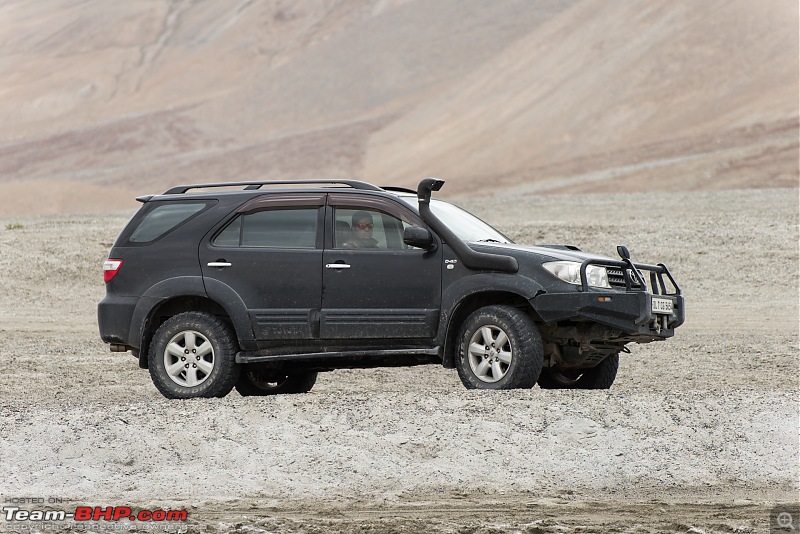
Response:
column 193, row 354
column 499, row 348
column 256, row 383
column 599, row 377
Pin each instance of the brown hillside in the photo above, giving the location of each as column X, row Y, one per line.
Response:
column 609, row 84
column 101, row 101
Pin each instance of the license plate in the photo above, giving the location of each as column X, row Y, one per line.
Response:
column 661, row 305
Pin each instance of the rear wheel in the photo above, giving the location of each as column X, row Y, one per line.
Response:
column 499, row 348
column 598, row 377
column 257, row 382
column 193, row 355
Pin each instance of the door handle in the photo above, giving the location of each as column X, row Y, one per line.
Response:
column 336, row 266
column 219, row 264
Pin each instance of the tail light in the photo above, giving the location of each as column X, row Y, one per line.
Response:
column 110, row 269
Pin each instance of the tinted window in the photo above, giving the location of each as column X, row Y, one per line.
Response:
column 272, row 228
column 231, row 235
column 164, row 218
column 355, row 228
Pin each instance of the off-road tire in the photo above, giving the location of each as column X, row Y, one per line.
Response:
column 523, row 340
column 598, row 377
column 256, row 383
column 219, row 372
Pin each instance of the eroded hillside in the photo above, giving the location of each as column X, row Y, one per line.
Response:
column 103, row 101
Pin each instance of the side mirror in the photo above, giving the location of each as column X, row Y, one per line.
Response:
column 418, row 237
column 623, row 252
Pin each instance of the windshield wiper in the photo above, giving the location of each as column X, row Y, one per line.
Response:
column 489, row 241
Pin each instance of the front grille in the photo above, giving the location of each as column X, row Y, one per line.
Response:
column 616, row 278
column 619, row 271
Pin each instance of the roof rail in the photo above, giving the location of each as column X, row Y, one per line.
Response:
column 398, row 189
column 355, row 184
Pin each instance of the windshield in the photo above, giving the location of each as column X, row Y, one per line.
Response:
column 464, row 224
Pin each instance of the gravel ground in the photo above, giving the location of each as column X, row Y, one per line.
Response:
column 698, row 434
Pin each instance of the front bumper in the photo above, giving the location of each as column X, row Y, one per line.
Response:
column 630, row 312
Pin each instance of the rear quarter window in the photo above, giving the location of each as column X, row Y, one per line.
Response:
column 163, row 219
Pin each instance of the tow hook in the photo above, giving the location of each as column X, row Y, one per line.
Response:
column 656, row 325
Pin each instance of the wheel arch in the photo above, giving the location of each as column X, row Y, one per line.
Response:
column 471, row 303
column 178, row 295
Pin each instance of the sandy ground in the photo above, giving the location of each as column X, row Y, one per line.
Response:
column 698, row 434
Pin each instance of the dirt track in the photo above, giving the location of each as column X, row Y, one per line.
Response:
column 699, row 432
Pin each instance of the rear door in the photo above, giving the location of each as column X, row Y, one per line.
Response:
column 374, row 286
column 270, row 254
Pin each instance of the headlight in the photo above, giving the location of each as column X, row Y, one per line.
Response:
column 570, row 272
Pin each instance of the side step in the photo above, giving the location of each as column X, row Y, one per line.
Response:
column 254, row 357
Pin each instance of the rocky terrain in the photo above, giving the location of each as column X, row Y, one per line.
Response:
column 698, row 434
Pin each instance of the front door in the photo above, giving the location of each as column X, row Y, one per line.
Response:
column 375, row 286
column 270, row 254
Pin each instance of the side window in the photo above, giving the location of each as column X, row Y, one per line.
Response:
column 356, row 228
column 231, row 235
column 279, row 228
column 163, row 219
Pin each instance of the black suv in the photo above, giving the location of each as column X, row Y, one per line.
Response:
column 263, row 286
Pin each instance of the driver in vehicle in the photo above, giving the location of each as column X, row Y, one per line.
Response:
column 362, row 231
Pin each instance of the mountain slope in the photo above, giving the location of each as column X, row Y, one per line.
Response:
column 603, row 85
column 119, row 99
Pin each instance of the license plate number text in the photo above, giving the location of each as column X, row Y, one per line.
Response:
column 661, row 305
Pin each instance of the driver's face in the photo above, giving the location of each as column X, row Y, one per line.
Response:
column 363, row 227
